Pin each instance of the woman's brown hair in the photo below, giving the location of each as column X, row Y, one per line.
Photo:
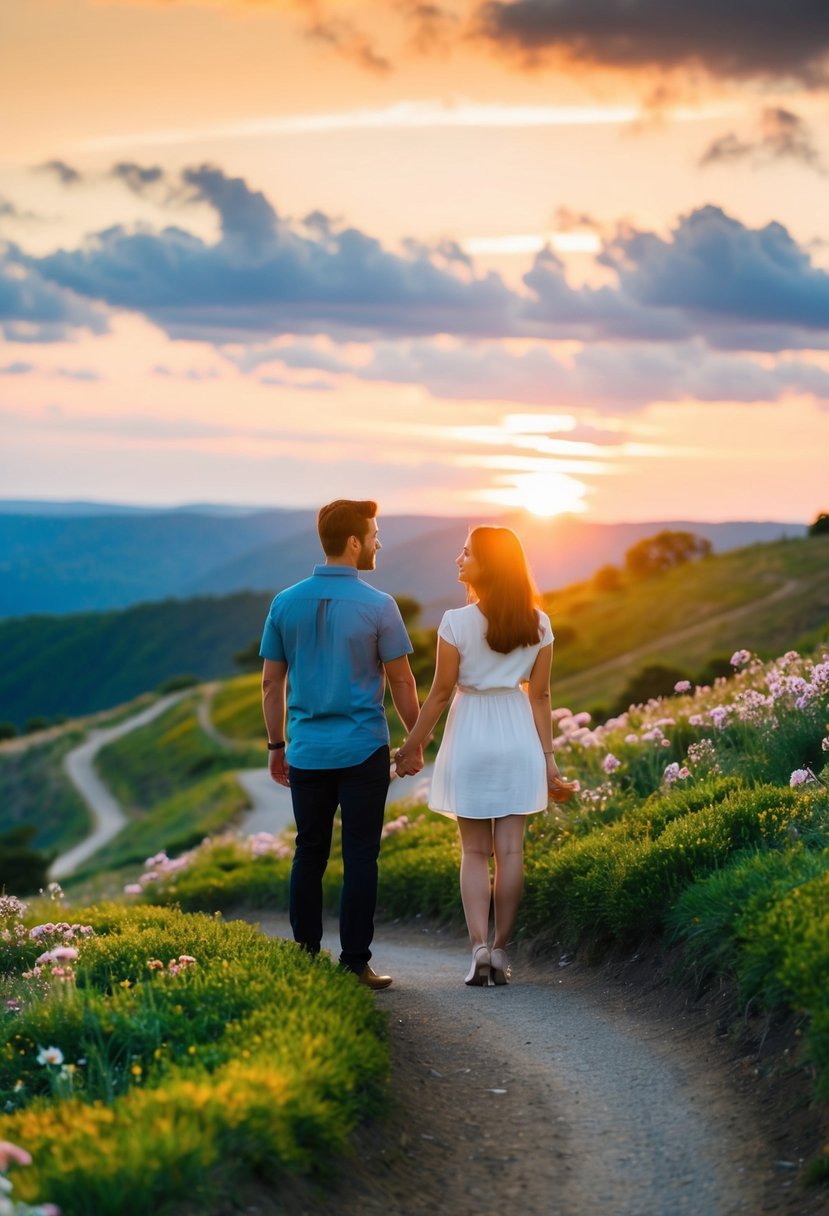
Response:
column 505, row 589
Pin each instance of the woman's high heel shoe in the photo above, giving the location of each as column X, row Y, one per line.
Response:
column 478, row 976
column 499, row 964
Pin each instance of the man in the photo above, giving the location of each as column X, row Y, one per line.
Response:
column 331, row 641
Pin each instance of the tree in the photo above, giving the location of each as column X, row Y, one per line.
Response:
column 655, row 554
column 24, row 870
column 821, row 525
column 607, row 579
column 410, row 610
column 248, row 658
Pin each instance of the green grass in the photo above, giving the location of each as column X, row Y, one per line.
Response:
column 36, row 791
column 236, row 709
column 175, row 1086
column 164, row 758
column 599, row 627
column 174, row 825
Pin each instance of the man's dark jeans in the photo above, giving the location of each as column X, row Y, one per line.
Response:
column 360, row 792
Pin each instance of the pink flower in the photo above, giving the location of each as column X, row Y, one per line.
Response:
column 133, row 888
column 799, row 777
column 66, row 953
column 682, row 686
column 610, row 763
column 671, row 773
column 10, row 1154
column 824, row 744
column 740, row 657
column 684, row 773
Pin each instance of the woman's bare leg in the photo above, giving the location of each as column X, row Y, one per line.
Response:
column 476, row 893
column 509, row 875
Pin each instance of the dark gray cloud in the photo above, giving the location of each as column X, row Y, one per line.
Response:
column 18, row 368
column 66, row 174
column 432, row 28
column 33, row 308
column 609, row 377
column 783, row 135
column 713, row 277
column 265, row 277
column 739, row 288
column 138, row 178
column 736, row 40
column 347, row 39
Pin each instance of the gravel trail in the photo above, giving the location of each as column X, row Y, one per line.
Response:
column 79, row 765
column 549, row 1096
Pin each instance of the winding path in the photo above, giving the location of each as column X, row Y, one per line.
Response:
column 557, row 1099
column 270, row 807
column 79, row 765
column 543, row 1097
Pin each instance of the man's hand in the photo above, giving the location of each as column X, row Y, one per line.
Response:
column 278, row 766
column 408, row 761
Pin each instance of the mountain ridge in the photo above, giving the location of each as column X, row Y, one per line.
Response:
column 63, row 561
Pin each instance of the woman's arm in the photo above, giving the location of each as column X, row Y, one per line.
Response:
column 539, row 695
column 443, row 685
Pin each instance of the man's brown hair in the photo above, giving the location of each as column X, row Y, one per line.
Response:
column 343, row 518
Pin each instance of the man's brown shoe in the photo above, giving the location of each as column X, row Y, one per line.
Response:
column 372, row 980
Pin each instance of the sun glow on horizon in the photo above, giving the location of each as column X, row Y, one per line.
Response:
column 543, row 494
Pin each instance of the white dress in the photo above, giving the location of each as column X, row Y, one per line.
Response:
column 491, row 762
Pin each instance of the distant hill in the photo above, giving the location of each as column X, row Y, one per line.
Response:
column 767, row 597
column 71, row 665
column 61, row 558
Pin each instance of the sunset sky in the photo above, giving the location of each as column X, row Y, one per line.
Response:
column 571, row 255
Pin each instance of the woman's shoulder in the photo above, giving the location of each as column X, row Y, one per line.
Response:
column 546, row 627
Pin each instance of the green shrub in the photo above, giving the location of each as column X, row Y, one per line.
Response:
column 173, row 1083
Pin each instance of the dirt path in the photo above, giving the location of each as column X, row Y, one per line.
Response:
column 551, row 1096
column 79, row 765
column 270, row 808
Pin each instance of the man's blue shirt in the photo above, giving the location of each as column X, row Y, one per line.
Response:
column 335, row 632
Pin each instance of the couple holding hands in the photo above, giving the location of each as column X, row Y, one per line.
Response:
column 329, row 644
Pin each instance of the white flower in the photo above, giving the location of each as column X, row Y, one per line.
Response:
column 50, row 1055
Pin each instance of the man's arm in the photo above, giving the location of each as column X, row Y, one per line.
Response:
column 403, row 691
column 274, row 684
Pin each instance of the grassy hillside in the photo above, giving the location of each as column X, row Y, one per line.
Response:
column 767, row 598
column 37, row 793
column 79, row 664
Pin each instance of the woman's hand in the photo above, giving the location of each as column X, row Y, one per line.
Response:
column 408, row 760
column 559, row 789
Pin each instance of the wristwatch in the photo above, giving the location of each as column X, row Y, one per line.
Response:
column 276, row 747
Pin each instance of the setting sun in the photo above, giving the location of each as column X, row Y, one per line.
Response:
column 544, row 494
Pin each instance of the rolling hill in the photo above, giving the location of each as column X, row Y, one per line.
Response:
column 69, row 558
column 766, row 597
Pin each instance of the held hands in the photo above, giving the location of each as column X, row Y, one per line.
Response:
column 408, row 761
column 278, row 767
column 559, row 789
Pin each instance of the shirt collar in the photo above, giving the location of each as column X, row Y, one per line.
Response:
column 336, row 571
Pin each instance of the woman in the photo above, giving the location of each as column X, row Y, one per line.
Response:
column 495, row 765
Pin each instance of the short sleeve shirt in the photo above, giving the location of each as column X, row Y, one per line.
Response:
column 480, row 667
column 335, row 632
